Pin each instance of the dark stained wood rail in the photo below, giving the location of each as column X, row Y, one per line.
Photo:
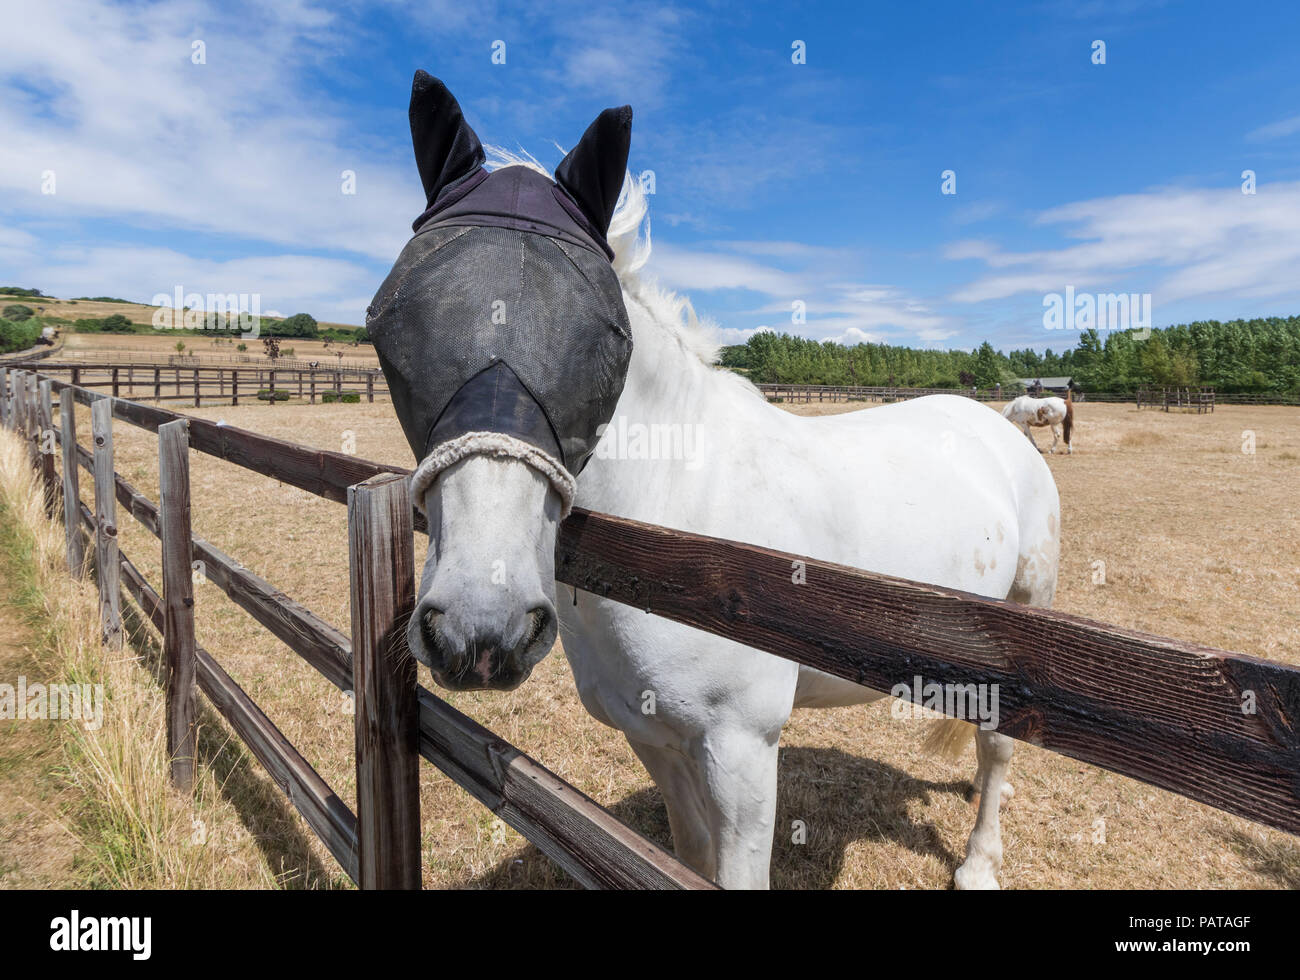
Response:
column 1168, row 713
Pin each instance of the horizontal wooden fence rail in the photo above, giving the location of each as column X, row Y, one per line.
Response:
column 875, row 393
column 837, row 393
column 1165, row 712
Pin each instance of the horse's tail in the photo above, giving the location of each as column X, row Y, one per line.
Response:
column 1069, row 414
column 948, row 737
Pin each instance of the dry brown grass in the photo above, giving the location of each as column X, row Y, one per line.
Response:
column 1198, row 542
column 92, row 806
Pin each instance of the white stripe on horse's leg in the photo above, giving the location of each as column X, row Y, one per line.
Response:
column 740, row 774
column 679, row 781
column 984, row 849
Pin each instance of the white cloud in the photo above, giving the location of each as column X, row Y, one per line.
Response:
column 328, row 289
column 1173, row 243
column 1277, row 130
column 107, row 98
column 684, row 269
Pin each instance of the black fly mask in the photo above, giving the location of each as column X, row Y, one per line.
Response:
column 501, row 328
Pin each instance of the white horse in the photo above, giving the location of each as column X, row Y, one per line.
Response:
column 1027, row 411
column 935, row 489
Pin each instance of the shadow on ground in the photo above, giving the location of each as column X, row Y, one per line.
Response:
column 879, row 810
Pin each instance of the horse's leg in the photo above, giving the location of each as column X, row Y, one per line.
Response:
column 984, row 849
column 1034, row 585
column 739, row 768
column 1024, row 427
column 1056, row 438
column 678, row 779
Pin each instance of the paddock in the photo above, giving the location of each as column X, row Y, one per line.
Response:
column 878, row 813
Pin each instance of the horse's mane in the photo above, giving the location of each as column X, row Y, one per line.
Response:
column 631, row 252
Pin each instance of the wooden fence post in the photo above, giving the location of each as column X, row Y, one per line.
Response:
column 370, row 387
column 4, row 397
column 196, row 388
column 157, row 384
column 313, row 386
column 107, row 561
column 178, row 596
column 26, row 397
column 71, row 484
column 45, row 446
column 382, row 575
column 234, row 387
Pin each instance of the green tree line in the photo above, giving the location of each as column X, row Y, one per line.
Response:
column 1258, row 355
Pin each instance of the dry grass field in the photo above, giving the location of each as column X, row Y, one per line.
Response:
column 1199, row 542
column 122, row 347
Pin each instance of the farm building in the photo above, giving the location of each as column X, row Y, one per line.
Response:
column 1057, row 386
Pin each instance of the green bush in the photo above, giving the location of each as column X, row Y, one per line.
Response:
column 18, row 312
column 99, row 299
column 18, row 335
column 116, row 323
column 298, row 325
column 347, row 397
column 281, row 395
column 20, row 291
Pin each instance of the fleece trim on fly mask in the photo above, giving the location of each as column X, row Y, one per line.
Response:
column 448, row 454
column 501, row 328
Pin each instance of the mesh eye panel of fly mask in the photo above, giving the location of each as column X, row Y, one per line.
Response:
column 501, row 328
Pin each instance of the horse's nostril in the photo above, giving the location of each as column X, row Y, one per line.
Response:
column 429, row 622
column 539, row 619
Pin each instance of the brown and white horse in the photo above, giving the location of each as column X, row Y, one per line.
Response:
column 1027, row 411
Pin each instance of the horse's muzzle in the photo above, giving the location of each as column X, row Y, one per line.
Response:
column 463, row 655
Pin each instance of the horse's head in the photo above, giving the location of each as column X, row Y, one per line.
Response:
column 502, row 333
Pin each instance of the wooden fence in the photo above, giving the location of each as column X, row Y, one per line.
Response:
column 200, row 383
column 117, row 355
column 1199, row 400
column 1217, row 727
column 844, row 393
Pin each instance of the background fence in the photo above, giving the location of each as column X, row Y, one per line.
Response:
column 1190, row 397
column 1218, row 727
column 200, row 383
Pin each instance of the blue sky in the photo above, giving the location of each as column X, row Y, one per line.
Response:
column 775, row 182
